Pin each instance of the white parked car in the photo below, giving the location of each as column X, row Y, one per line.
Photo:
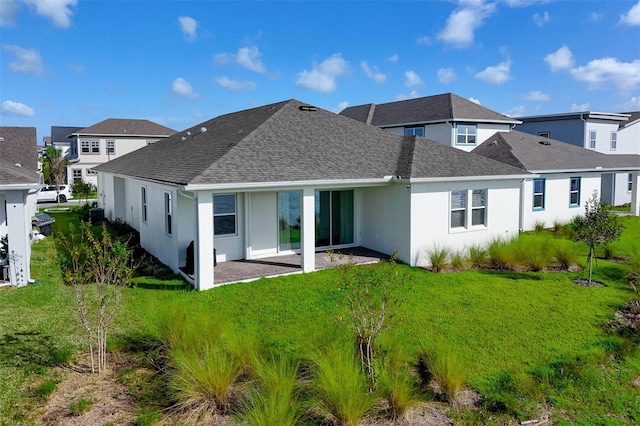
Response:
column 48, row 194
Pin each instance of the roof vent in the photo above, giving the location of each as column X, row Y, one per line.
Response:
column 18, row 165
column 1, row 139
column 183, row 138
column 307, row 108
column 203, row 129
column 544, row 142
column 188, row 133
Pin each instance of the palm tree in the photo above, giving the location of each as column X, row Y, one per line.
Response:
column 54, row 166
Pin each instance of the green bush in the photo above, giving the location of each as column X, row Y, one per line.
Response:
column 500, row 253
column 538, row 227
column 533, row 252
column 438, row 257
column 478, row 256
column 45, row 389
column 442, row 364
column 397, row 385
column 458, row 261
column 566, row 253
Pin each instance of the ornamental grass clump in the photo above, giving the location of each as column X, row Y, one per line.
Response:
column 533, row 252
column 458, row 261
column 440, row 362
column 566, row 254
column 478, row 256
column 438, row 257
column 397, row 385
column 501, row 254
column 340, row 386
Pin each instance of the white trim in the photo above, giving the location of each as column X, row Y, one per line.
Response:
column 470, row 178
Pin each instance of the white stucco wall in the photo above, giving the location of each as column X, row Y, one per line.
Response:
column 262, row 220
column 430, row 217
column 622, row 195
column 603, row 129
column 557, row 198
column 15, row 222
column 629, row 139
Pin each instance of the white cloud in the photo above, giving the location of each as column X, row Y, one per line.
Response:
column 424, row 41
column 598, row 73
column 189, row 27
column 27, row 61
column 412, row 95
column 497, row 74
column 446, row 75
column 633, row 104
column 247, row 57
column 517, row 111
column 412, row 79
column 524, row 3
column 17, row 108
column 8, row 10
column 58, row 11
column 595, row 17
column 536, row 95
column 322, row 77
column 541, row 19
column 579, row 107
column 561, row 59
column 227, row 83
column 632, row 17
column 342, row 105
column 182, row 87
column 77, row 68
column 475, row 101
column 462, row 23
column 373, row 73
column 393, row 58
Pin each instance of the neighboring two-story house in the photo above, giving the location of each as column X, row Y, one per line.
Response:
column 447, row 118
column 60, row 139
column 608, row 133
column 19, row 184
column 109, row 139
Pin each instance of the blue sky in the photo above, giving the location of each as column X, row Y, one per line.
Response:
column 178, row 63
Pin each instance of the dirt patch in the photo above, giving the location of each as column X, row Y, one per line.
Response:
column 110, row 401
column 586, row 283
column 424, row 414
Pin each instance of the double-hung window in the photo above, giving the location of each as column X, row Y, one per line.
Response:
column 630, row 182
column 143, row 207
column 592, row 139
column 466, row 134
column 168, row 214
column 614, row 141
column 77, row 174
column 224, row 214
column 465, row 215
column 95, row 147
column 574, row 192
column 84, row 147
column 111, row 147
column 414, row 131
column 538, row 194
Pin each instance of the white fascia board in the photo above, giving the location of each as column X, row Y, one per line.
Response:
column 593, row 169
column 20, row 186
column 117, row 135
column 471, row 178
column 160, row 182
column 268, row 186
column 449, row 120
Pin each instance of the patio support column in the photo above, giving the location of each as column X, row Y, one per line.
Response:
column 18, row 234
column 635, row 193
column 308, row 231
column 204, row 241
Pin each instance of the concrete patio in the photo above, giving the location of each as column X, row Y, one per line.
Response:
column 248, row 270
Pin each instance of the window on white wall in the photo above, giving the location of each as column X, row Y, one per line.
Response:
column 95, row 147
column 592, row 139
column 466, row 134
column 614, row 141
column 111, row 147
column 538, row 194
column 574, row 192
column 414, row 131
column 84, row 147
column 630, row 183
column 77, row 174
column 465, row 215
column 224, row 214
column 143, row 210
column 168, row 214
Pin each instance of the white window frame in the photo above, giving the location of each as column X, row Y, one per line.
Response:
column 466, row 134
column 95, row 147
column 143, row 203
column 168, row 213
column 592, row 139
column 111, row 146
column 85, row 147
column 91, row 172
column 630, row 183
column 613, row 141
column 411, row 131
column 468, row 209
column 574, row 191
column 76, row 171
column 226, row 214
column 543, row 193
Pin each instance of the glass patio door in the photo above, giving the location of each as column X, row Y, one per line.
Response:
column 288, row 221
column 334, row 218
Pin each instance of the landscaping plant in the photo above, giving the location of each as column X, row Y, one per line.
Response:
column 438, row 258
column 396, row 384
column 441, row 363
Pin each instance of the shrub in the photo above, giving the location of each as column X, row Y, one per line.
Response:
column 538, row 227
column 478, row 256
column 608, row 251
column 441, row 363
column 438, row 258
column 633, row 262
column 458, row 261
column 397, row 385
column 45, row 389
column 565, row 253
column 533, row 251
column 501, row 254
column 81, row 406
column 340, row 386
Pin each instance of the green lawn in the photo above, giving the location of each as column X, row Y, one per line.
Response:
column 523, row 332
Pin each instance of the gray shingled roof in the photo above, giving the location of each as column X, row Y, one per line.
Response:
column 126, row 126
column 536, row 153
column 10, row 174
column 437, row 108
column 19, row 145
column 61, row 133
column 635, row 116
column 282, row 143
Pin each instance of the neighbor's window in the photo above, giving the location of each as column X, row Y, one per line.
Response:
column 466, row 134
column 84, row 146
column 95, row 147
column 168, row 214
column 630, row 182
column 414, row 131
column 77, row 174
column 111, row 147
column 574, row 192
column 538, row 193
column 614, row 141
column 458, row 208
column 544, row 134
column 224, row 214
column 592, row 139
column 465, row 215
column 91, row 172
column 143, row 193
column 479, row 207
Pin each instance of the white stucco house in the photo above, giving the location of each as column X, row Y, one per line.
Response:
column 605, row 132
column 107, row 140
column 291, row 178
column 19, row 184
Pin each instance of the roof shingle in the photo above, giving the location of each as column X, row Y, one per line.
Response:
column 126, row 126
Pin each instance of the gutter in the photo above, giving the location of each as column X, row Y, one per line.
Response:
column 596, row 169
column 471, row 178
column 21, row 186
column 274, row 185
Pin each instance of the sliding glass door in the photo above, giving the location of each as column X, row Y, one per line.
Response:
column 334, row 218
column 288, row 221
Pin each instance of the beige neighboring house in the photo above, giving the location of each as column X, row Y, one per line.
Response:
column 19, row 184
column 107, row 140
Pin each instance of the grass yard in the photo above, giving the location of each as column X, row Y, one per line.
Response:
column 532, row 344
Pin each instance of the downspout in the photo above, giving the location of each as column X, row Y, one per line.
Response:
column 522, row 191
column 584, row 131
column 451, row 134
